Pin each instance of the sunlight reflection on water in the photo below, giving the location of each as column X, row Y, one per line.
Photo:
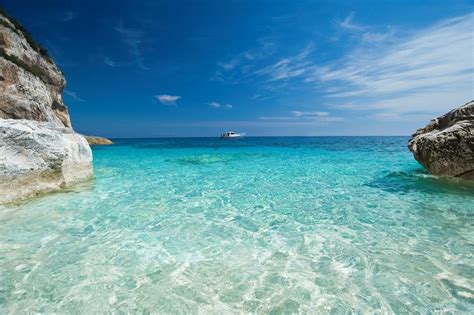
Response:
column 278, row 225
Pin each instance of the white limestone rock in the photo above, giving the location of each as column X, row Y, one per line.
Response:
column 40, row 157
column 39, row 150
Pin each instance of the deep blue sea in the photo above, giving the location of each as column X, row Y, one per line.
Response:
column 309, row 225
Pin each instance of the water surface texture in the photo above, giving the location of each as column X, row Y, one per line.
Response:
column 259, row 225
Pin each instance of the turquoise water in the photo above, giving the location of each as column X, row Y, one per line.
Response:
column 258, row 225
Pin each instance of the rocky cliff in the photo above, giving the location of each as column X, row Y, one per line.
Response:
column 39, row 151
column 446, row 145
column 30, row 83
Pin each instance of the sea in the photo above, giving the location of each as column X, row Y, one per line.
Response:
column 270, row 225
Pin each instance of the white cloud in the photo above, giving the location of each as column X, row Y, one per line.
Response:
column 243, row 62
column 289, row 67
column 320, row 117
column 365, row 33
column 297, row 113
column 168, row 100
column 238, row 124
column 278, row 118
column 401, row 117
column 219, row 105
column 374, row 37
column 304, row 66
column 348, row 24
column 74, row 95
column 432, row 70
column 230, row 65
column 394, row 74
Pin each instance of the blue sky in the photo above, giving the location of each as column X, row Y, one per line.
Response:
column 197, row 68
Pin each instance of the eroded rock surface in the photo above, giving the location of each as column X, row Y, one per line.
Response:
column 39, row 157
column 30, row 83
column 39, row 151
column 446, row 145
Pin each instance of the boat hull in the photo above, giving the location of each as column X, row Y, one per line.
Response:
column 231, row 137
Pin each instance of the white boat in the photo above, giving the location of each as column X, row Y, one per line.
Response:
column 232, row 135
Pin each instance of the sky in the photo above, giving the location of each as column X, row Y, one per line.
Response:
column 267, row 68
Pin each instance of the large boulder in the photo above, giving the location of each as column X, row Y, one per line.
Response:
column 39, row 150
column 93, row 140
column 446, row 145
column 39, row 157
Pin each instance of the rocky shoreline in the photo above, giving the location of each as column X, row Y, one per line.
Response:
column 39, row 150
column 39, row 157
column 446, row 145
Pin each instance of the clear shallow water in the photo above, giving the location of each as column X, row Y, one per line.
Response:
column 263, row 225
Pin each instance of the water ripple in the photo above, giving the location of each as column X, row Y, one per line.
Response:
column 277, row 225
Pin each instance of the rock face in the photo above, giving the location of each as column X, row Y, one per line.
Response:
column 39, row 151
column 39, row 157
column 30, row 83
column 98, row 141
column 446, row 145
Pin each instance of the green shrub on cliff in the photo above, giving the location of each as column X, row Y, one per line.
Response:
column 33, row 69
column 18, row 28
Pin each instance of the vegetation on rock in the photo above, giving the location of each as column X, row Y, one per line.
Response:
column 33, row 69
column 19, row 29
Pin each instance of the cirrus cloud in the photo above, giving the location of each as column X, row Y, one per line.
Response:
column 74, row 95
column 219, row 105
column 300, row 116
column 428, row 71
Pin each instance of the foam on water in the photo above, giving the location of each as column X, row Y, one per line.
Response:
column 263, row 225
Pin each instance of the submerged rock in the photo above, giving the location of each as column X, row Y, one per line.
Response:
column 39, row 157
column 39, row 151
column 98, row 140
column 446, row 145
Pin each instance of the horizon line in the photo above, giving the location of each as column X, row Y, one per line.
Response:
column 217, row 137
